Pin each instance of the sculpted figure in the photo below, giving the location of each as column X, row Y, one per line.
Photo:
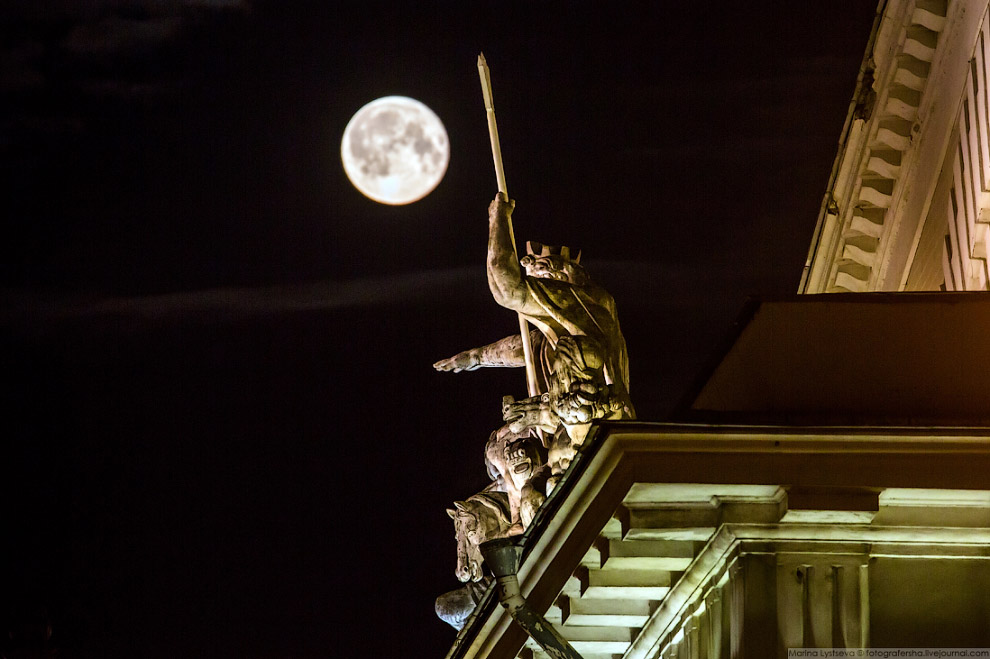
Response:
column 516, row 462
column 581, row 360
column 555, row 294
column 588, row 373
column 484, row 516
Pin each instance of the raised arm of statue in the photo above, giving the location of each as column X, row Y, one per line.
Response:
column 505, row 276
column 506, row 353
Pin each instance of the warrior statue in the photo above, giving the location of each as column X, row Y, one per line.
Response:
column 582, row 364
column 577, row 371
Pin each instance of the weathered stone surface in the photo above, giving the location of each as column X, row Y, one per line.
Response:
column 517, row 463
column 456, row 606
column 483, row 516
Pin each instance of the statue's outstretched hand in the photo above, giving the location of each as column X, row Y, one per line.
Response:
column 462, row 361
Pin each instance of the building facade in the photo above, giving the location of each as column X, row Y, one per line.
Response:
column 907, row 206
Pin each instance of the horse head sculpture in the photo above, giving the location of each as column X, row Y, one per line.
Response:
column 484, row 516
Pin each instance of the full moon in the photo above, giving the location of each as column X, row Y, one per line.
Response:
column 395, row 150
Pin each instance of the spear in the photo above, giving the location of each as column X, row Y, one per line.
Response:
column 486, row 90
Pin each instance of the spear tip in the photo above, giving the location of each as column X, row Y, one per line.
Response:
column 486, row 83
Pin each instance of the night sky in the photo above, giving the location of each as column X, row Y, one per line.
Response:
column 222, row 434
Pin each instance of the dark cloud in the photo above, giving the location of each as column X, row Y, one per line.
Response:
column 114, row 35
column 19, row 67
column 127, row 90
column 239, row 5
column 664, row 285
column 61, row 10
column 237, row 302
column 58, row 42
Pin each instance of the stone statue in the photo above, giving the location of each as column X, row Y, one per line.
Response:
column 577, row 371
column 556, row 295
column 484, row 516
column 582, row 366
column 516, row 463
column 582, row 374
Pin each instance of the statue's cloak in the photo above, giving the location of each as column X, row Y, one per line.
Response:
column 570, row 310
